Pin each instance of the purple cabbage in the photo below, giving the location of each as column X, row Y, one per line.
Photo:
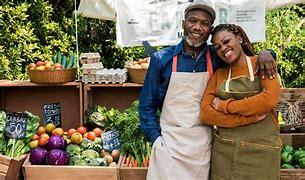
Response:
column 38, row 156
column 57, row 142
column 57, row 157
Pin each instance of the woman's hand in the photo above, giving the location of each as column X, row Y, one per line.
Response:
column 215, row 103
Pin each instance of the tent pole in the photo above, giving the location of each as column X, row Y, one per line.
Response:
column 76, row 37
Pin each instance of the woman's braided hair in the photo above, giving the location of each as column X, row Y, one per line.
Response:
column 238, row 31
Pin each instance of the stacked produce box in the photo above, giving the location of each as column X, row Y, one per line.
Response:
column 94, row 72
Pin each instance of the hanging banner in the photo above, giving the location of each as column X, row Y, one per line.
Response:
column 160, row 21
column 102, row 9
column 249, row 14
column 105, row 9
column 155, row 21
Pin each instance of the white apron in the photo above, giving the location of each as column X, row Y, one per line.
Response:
column 184, row 148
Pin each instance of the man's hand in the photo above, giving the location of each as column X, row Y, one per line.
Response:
column 266, row 64
column 261, row 116
column 215, row 103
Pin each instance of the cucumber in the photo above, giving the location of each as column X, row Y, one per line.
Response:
column 64, row 62
column 75, row 63
column 67, row 62
column 70, row 64
column 59, row 57
column 54, row 58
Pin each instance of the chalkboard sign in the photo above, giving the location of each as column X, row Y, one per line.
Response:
column 111, row 140
column 52, row 114
column 15, row 126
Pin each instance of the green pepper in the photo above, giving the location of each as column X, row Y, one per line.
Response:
column 302, row 162
column 296, row 166
column 286, row 157
column 289, row 149
column 287, row 166
column 298, row 154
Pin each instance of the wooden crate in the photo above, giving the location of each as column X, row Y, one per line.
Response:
column 37, row 172
column 10, row 168
column 297, row 140
column 118, row 96
column 24, row 95
column 131, row 173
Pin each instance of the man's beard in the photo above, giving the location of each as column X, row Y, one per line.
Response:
column 193, row 44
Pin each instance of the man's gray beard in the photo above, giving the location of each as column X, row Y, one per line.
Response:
column 193, row 44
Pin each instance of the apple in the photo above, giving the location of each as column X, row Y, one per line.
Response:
column 57, row 65
column 32, row 66
column 58, row 68
column 48, row 66
column 40, row 68
column 39, row 63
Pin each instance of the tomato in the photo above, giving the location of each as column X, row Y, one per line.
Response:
column 91, row 136
column 35, row 137
column 45, row 135
column 81, row 130
column 33, row 144
column 58, row 131
column 76, row 138
column 50, row 127
column 71, row 131
column 41, row 130
column 85, row 135
column 97, row 132
column 42, row 141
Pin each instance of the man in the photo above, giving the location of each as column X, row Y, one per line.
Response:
column 175, row 82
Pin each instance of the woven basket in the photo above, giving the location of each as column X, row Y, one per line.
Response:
column 137, row 75
column 52, row 76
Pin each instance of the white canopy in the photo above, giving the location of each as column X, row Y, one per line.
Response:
column 159, row 22
column 105, row 9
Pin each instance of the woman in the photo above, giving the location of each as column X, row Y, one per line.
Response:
column 241, row 105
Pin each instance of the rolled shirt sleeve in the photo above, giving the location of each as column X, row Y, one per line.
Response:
column 149, row 104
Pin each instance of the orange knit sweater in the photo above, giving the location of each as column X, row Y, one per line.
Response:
column 233, row 113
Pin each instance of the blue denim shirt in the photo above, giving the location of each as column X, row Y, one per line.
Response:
column 157, row 80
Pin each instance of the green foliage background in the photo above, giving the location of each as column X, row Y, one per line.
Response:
column 286, row 36
column 35, row 29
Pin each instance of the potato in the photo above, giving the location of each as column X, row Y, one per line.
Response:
column 136, row 66
column 113, row 164
column 144, row 65
column 140, row 61
column 115, row 154
column 134, row 62
column 108, row 159
column 104, row 153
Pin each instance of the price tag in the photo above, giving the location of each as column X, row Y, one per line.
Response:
column 15, row 126
column 111, row 140
column 52, row 114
